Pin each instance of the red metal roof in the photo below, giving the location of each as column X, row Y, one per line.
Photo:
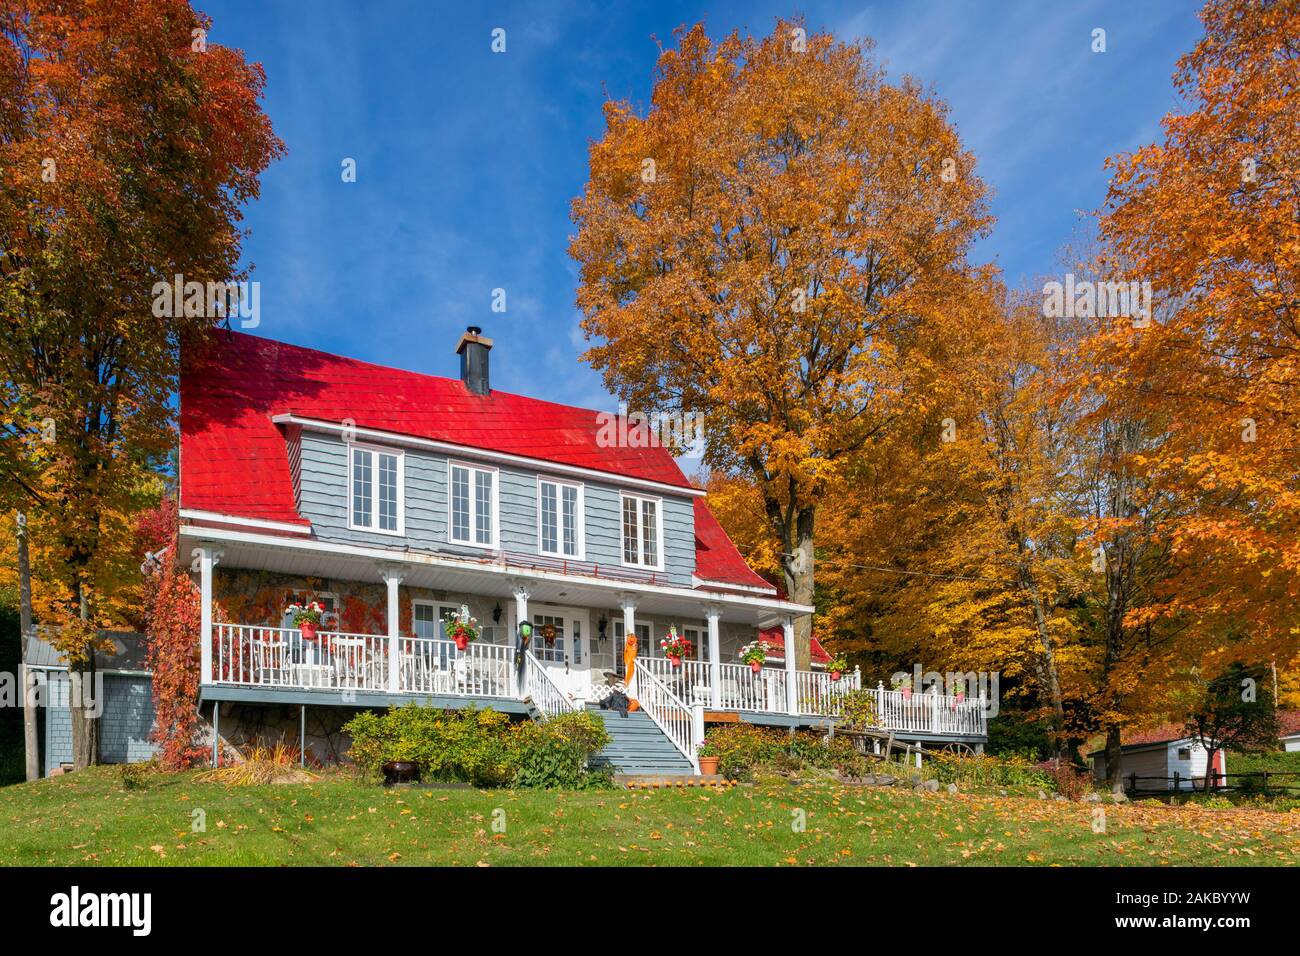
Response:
column 234, row 459
column 774, row 639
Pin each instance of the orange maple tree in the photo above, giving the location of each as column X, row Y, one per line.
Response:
column 778, row 243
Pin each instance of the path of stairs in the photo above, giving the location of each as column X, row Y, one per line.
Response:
column 639, row 747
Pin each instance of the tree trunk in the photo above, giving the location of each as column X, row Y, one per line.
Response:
column 1049, row 678
column 31, row 744
column 1113, row 752
column 799, row 584
column 82, row 704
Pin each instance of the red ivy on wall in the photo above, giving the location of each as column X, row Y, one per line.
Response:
column 172, row 621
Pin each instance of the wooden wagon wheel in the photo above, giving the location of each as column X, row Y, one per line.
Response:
column 959, row 750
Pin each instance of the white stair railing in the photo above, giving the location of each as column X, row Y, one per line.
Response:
column 669, row 713
column 541, row 688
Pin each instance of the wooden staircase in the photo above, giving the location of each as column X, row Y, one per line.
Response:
column 638, row 747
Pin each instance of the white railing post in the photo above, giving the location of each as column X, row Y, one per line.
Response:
column 934, row 710
column 713, row 613
column 697, row 726
column 393, row 578
column 791, row 681
column 208, row 559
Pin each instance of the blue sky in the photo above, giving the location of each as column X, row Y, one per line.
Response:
column 467, row 160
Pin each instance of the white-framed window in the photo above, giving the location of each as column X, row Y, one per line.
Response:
column 559, row 518
column 426, row 622
column 376, row 489
column 472, row 495
column 643, row 533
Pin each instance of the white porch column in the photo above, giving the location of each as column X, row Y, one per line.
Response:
column 791, row 683
column 712, row 614
column 393, row 578
column 628, row 603
column 522, row 593
column 208, row 559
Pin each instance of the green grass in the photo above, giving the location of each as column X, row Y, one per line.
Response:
column 94, row 818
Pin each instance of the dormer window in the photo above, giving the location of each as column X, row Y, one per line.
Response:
column 375, row 489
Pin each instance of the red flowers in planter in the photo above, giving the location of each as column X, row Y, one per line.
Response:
column 461, row 628
column 676, row 647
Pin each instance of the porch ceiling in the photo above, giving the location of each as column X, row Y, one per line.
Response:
column 310, row 558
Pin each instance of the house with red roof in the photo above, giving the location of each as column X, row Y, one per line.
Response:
column 416, row 511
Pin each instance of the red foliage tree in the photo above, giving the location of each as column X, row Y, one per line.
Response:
column 172, row 622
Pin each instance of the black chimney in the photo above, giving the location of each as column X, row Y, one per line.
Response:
column 473, row 351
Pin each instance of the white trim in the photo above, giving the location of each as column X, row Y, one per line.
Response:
column 494, row 544
column 751, row 588
column 580, row 515
column 659, row 531
column 467, row 451
column 375, row 451
column 196, row 514
column 505, row 571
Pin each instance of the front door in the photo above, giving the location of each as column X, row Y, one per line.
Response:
column 566, row 656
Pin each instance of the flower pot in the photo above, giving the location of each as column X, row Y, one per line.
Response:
column 675, row 661
column 907, row 693
column 708, row 765
column 308, row 630
column 755, row 666
column 400, row 771
column 462, row 642
column 835, row 675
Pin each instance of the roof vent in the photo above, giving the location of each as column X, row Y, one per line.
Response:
column 473, row 351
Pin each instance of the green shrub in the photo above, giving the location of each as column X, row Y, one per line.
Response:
column 554, row 754
column 480, row 747
column 1014, row 774
column 743, row 750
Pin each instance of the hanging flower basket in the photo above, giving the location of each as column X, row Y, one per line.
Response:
column 461, row 628
column 837, row 666
column 754, row 654
column 675, row 647
column 306, row 618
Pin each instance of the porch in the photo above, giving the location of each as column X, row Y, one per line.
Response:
column 254, row 663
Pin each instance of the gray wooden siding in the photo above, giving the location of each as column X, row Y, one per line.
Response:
column 124, row 726
column 324, row 502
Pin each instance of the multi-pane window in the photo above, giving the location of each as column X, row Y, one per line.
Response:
column 473, row 510
column 560, row 515
column 641, row 531
column 376, row 498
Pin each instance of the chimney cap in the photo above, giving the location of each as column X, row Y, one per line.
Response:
column 473, row 334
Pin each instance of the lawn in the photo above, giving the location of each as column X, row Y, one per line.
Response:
column 93, row 817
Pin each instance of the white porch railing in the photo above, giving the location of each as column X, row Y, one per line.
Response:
column 279, row 657
column 817, row 695
column 931, row 713
column 541, row 688
column 669, row 712
column 434, row 666
column 336, row 660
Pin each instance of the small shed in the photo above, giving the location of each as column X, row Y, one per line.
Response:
column 126, row 720
column 1156, row 764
